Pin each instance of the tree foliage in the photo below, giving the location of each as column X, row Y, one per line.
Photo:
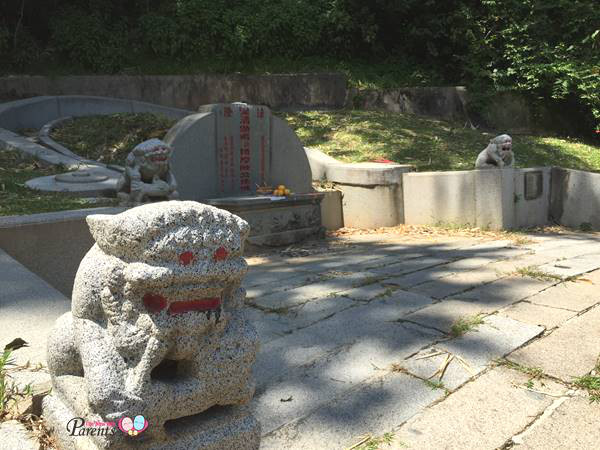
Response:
column 549, row 49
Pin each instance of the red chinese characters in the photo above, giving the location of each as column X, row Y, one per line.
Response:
column 244, row 149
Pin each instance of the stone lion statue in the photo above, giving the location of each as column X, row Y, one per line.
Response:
column 147, row 174
column 497, row 154
column 156, row 326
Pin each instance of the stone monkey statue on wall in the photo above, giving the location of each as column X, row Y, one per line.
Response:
column 497, row 155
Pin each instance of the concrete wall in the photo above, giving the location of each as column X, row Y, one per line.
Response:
column 443, row 102
column 51, row 245
column 190, row 91
column 534, row 211
column 38, row 111
column 434, row 198
column 371, row 192
column 492, row 199
column 575, row 198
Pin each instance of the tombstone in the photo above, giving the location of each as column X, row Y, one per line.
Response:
column 156, row 352
column 223, row 154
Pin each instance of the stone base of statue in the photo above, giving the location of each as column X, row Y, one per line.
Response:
column 219, row 428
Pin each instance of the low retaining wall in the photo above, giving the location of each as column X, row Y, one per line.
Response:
column 492, row 199
column 575, row 198
column 38, row 111
column 443, row 102
column 51, row 245
column 302, row 91
column 372, row 195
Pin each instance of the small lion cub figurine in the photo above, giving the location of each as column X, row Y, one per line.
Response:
column 497, row 155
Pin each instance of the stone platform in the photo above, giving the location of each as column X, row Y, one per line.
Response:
column 276, row 220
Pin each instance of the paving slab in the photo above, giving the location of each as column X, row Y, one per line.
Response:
column 366, row 292
column 443, row 314
column 572, row 425
column 316, row 310
column 571, row 295
column 533, row 314
column 483, row 414
column 374, row 408
column 573, row 266
column 398, row 304
column 29, row 307
column 322, row 288
column 412, row 265
column 366, row 323
column 308, row 387
column 258, row 275
column 479, row 348
column 280, row 285
column 458, row 282
column 569, row 351
column 269, row 326
column 505, row 291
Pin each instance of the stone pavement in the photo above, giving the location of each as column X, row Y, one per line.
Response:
column 360, row 339
column 353, row 334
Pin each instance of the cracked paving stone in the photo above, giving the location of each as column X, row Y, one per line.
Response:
column 569, row 351
column 458, row 282
column 483, row 414
column 363, row 323
column 479, row 348
column 443, row 314
column 537, row 315
column 572, row 295
column 374, row 408
column 572, row 425
column 572, row 266
column 318, row 289
column 505, row 291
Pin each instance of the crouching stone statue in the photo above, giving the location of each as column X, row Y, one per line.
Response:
column 156, row 352
column 147, row 174
column 497, row 154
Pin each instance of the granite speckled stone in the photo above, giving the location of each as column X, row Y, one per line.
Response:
column 157, row 329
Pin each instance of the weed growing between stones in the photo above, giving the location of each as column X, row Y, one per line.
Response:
column 434, row 384
column 536, row 273
column 10, row 393
column 374, row 443
column 591, row 383
column 465, row 324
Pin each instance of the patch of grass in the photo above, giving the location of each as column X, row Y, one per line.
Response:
column 10, row 393
column 375, row 443
column 434, row 384
column 591, row 383
column 536, row 273
column 110, row 138
column 465, row 324
column 17, row 199
column 533, row 372
column 428, row 144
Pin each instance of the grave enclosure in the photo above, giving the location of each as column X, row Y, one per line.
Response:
column 226, row 151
